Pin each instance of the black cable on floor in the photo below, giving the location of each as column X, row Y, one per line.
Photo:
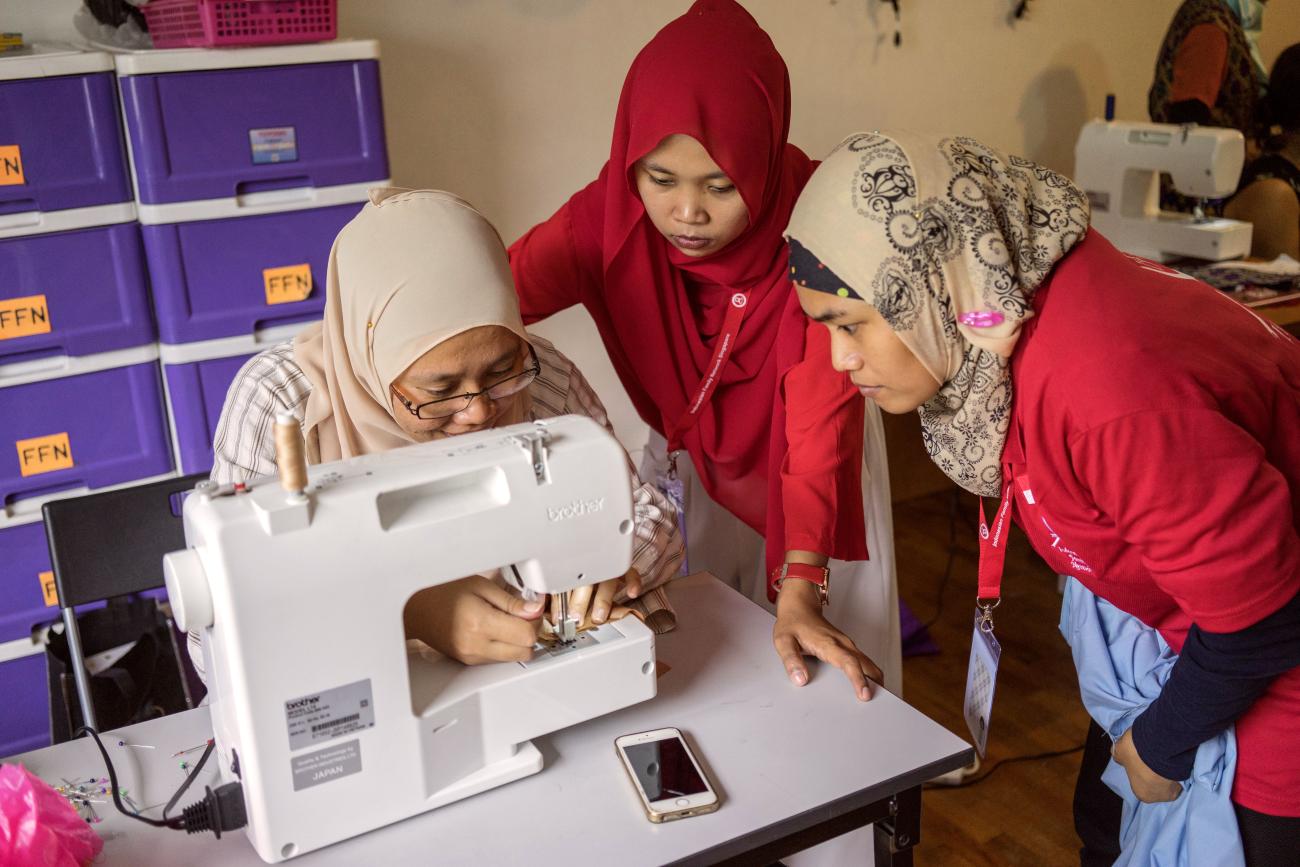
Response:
column 953, row 502
column 1056, row 754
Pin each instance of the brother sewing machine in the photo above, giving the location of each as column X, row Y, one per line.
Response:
column 318, row 708
column 1118, row 164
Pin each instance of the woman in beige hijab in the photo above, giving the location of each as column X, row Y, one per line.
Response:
column 422, row 340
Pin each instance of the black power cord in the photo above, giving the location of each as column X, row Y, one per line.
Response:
column 220, row 810
column 1035, row 757
column 189, row 778
column 954, row 501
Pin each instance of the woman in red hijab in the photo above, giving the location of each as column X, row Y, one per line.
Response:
column 676, row 251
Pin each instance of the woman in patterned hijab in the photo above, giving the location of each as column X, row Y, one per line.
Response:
column 953, row 241
column 1138, row 426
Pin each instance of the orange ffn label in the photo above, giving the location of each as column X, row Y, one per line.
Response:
column 22, row 317
column 11, row 166
column 48, row 589
column 287, row 284
column 44, row 454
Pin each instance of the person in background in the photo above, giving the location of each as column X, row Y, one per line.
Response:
column 1209, row 72
column 676, row 252
column 1139, row 426
column 1269, row 196
column 1209, row 69
column 422, row 340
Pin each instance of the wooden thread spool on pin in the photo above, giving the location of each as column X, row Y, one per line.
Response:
column 290, row 454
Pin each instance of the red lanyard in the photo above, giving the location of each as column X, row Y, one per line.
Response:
column 722, row 348
column 993, row 549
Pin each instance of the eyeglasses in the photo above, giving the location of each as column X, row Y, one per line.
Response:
column 449, row 406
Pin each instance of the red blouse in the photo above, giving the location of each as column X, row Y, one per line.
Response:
column 817, row 472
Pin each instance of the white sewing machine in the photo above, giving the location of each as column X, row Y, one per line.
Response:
column 318, row 708
column 1118, row 164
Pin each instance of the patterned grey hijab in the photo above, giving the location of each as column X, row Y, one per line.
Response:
column 948, row 239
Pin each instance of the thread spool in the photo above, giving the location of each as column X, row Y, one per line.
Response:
column 290, row 454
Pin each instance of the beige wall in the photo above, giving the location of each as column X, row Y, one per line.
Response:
column 511, row 102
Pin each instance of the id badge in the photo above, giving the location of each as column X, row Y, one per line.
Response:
column 981, row 677
column 675, row 492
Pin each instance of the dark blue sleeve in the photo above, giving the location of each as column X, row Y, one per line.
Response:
column 1216, row 679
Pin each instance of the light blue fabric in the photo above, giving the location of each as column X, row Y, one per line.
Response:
column 1122, row 665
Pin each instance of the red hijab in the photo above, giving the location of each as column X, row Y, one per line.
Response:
column 712, row 74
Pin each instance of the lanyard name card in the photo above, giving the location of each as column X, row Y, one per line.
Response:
column 985, row 651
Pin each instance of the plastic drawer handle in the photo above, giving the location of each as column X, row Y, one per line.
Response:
column 274, row 191
column 21, row 220
column 24, row 371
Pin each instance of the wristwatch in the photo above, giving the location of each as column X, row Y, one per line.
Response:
column 817, row 575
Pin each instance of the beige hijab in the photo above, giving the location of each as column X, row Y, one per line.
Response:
column 414, row 268
column 948, row 239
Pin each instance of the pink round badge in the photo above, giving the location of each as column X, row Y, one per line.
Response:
column 981, row 318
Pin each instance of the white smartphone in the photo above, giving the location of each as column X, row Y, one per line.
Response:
column 666, row 775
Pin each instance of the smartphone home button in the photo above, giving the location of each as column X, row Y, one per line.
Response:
column 683, row 802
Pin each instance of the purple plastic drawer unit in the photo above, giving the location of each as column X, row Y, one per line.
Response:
column 77, row 293
column 25, row 710
column 224, row 278
column 27, row 596
column 196, row 377
column 78, row 424
column 236, row 124
column 60, row 137
column 196, row 393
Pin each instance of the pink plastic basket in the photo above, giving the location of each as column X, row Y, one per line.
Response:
column 225, row 23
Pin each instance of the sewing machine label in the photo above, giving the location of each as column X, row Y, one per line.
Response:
column 331, row 763
column 330, row 714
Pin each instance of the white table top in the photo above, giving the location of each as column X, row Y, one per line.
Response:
column 783, row 759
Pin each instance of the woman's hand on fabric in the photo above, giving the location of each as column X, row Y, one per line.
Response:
column 802, row 630
column 1150, row 787
column 474, row 621
column 595, row 606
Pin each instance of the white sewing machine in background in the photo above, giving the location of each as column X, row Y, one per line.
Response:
column 332, row 727
column 1119, row 163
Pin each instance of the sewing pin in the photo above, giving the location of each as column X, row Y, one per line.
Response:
column 137, row 746
column 192, row 749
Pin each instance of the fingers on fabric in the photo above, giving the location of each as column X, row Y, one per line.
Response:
column 603, row 600
column 632, row 583
column 485, row 631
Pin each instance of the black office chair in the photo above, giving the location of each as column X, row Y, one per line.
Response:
column 110, row 546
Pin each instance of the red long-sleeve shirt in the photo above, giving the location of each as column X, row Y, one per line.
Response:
column 820, row 469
